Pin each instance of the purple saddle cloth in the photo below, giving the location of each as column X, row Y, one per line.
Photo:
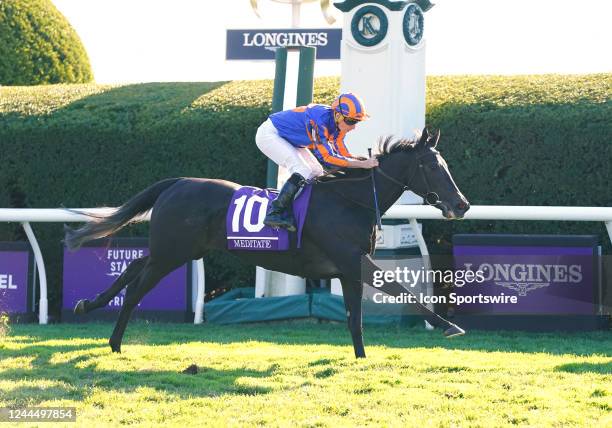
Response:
column 245, row 216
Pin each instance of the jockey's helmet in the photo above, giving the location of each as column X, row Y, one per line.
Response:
column 350, row 106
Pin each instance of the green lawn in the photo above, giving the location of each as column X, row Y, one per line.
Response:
column 304, row 374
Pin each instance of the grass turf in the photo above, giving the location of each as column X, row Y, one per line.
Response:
column 304, row 374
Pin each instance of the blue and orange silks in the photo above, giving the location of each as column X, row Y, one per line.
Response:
column 313, row 126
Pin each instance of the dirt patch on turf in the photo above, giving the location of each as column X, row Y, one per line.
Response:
column 4, row 324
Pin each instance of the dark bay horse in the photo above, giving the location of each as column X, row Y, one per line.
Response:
column 188, row 220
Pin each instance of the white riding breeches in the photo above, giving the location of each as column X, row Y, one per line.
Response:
column 295, row 159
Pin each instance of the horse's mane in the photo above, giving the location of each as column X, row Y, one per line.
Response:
column 388, row 145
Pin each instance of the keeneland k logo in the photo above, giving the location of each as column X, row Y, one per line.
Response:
column 367, row 29
column 413, row 25
column 369, row 25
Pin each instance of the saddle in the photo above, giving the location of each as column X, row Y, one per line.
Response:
column 245, row 229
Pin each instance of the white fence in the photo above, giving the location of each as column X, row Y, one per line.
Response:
column 25, row 216
column 409, row 212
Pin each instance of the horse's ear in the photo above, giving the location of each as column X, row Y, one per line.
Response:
column 432, row 141
column 424, row 137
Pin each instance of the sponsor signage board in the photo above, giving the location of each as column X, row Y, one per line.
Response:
column 259, row 44
column 93, row 268
column 15, row 286
column 548, row 279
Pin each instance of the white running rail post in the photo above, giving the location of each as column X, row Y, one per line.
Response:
column 43, row 304
column 199, row 306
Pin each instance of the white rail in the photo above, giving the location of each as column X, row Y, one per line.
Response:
column 508, row 212
column 54, row 215
column 410, row 212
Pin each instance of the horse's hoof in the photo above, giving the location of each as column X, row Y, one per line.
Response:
column 115, row 347
column 454, row 330
column 79, row 308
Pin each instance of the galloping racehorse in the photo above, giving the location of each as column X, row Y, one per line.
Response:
column 189, row 215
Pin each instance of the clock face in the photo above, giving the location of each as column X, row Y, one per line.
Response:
column 413, row 25
column 369, row 25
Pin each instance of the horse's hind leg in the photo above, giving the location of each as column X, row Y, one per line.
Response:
column 150, row 275
column 102, row 299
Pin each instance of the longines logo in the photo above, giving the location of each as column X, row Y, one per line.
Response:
column 259, row 43
column 522, row 287
column 524, row 278
column 275, row 39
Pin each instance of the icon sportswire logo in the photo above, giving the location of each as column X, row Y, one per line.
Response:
column 524, row 278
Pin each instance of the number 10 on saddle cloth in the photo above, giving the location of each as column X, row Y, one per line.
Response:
column 245, row 215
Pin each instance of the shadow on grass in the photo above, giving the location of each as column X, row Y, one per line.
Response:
column 56, row 375
column 601, row 368
column 75, row 379
column 333, row 334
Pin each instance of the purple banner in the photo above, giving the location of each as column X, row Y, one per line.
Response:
column 245, row 216
column 257, row 44
column 14, row 281
column 91, row 270
column 540, row 280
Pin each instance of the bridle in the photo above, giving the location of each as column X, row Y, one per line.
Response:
column 430, row 197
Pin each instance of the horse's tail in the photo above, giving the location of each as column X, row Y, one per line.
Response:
column 103, row 225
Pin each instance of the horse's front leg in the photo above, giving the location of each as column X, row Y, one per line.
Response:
column 395, row 289
column 353, row 293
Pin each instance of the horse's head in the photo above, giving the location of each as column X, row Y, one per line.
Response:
column 421, row 168
column 433, row 181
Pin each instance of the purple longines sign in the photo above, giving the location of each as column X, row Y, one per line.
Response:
column 91, row 270
column 14, row 281
column 547, row 280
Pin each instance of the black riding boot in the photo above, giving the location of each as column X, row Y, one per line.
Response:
column 280, row 213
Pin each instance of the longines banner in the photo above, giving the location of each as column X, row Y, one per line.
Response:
column 261, row 44
column 92, row 269
column 15, row 290
column 548, row 277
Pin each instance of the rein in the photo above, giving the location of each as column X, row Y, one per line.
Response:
column 367, row 177
column 405, row 186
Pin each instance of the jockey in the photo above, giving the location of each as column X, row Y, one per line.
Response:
column 305, row 138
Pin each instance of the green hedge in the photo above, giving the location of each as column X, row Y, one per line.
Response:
column 531, row 140
column 38, row 45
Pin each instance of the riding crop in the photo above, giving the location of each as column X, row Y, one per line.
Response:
column 378, row 221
